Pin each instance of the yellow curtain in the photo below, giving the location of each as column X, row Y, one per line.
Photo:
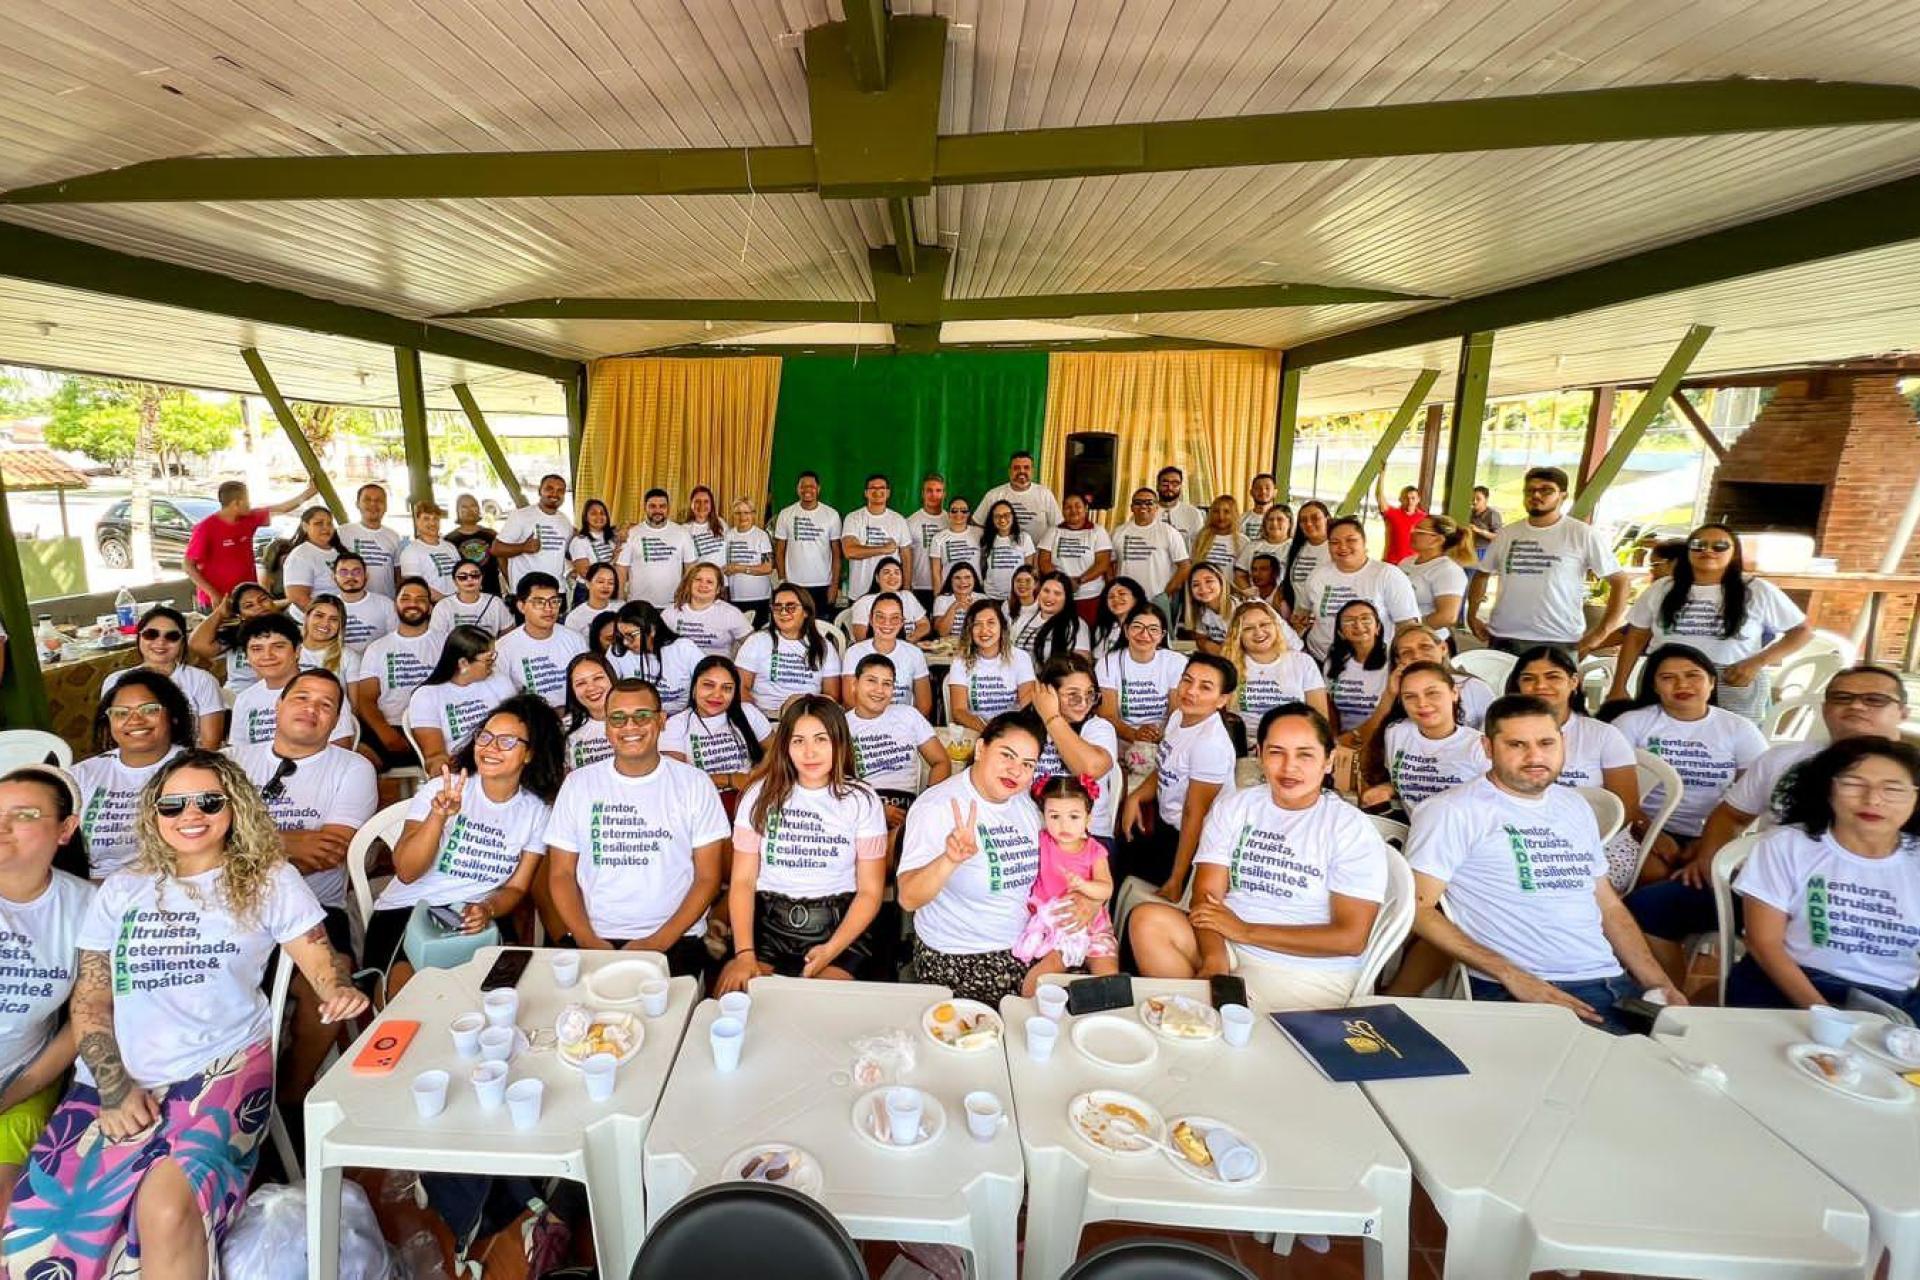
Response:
column 1210, row 413
column 660, row 422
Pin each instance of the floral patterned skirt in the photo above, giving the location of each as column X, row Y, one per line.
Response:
column 72, row 1216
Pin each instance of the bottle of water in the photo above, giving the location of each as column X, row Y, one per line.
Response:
column 48, row 639
column 123, row 607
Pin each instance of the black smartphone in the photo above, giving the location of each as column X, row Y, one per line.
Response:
column 451, row 919
column 1094, row 995
column 507, row 969
column 1227, row 990
column 1636, row 1015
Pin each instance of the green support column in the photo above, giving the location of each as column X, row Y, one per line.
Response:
column 295, row 436
column 575, row 389
column 1469, row 421
column 484, row 434
column 413, row 425
column 1384, row 446
column 1286, row 424
column 1643, row 417
column 23, row 693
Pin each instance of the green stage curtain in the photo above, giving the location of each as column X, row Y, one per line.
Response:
column 958, row 413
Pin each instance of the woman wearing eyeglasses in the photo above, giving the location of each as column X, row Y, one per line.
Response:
column 958, row 543
column 749, row 565
column 447, row 709
column 138, row 727
column 789, row 657
column 650, row 650
column 171, row 1020
column 474, row 834
column 471, row 605
column 1832, row 897
column 162, row 636
column 1713, row 604
column 1080, row 743
column 1136, row 681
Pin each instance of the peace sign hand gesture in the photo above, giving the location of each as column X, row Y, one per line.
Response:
column 961, row 841
column 446, row 801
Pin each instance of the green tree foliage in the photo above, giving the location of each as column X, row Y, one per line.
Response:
column 101, row 418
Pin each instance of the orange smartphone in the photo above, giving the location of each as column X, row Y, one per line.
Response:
column 385, row 1047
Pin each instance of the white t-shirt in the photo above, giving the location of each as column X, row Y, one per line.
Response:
column 1475, row 697
column 1185, row 517
column 1520, row 876
column 888, row 529
column 593, row 550
column 1593, row 747
column 1026, row 632
column 1191, row 753
column 715, row 629
column 581, row 617
column 1039, row 509
column 256, row 714
column 983, row 905
column 810, row 537
column 588, row 744
column 1211, row 626
column 309, row 565
column 1254, row 545
column 1223, row 553
column 186, row 972
column 334, row 787
column 370, row 616
column 1265, row 685
column 200, row 689
column 992, row 685
column 655, row 559
column 909, row 665
column 538, row 666
column 922, row 528
column 1311, row 557
column 457, row 711
column 886, row 749
column 952, row 548
column 1074, row 551
column 1142, row 688
column 812, row 841
column 1421, row 767
column 1001, row 562
column 1543, row 579
column 1285, row 865
column 711, row 744
column 480, row 846
column 240, row 673
column 780, row 669
column 1769, row 614
column 1250, row 522
column 1356, row 692
column 554, row 533
column 398, row 665
column 708, row 547
column 109, row 795
column 670, row 671
column 1438, row 577
column 346, row 665
column 910, row 611
column 489, row 613
column 1707, row 753
column 1099, row 733
column 1853, row 917
column 749, row 547
column 635, row 839
column 1149, row 554
column 39, row 942
column 1761, row 790
column 380, row 548
column 1330, row 590
column 958, row 622
column 435, row 563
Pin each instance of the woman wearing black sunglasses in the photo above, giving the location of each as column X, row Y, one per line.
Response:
column 162, row 636
column 1745, row 624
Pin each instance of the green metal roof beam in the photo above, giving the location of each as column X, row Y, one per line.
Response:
column 490, row 445
column 876, row 142
column 413, row 426
column 748, row 347
column 303, row 447
column 867, row 42
column 906, row 244
column 1644, row 414
column 1383, row 447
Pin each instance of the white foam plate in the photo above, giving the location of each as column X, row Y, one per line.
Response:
column 1153, row 1012
column 1089, row 1118
column 619, row 982
column 634, row 1025
column 1876, row 1083
column 803, row 1174
column 870, row 1119
column 1114, row 1041
column 974, row 1014
column 1207, row 1173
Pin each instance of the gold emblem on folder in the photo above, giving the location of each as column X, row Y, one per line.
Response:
column 1362, row 1038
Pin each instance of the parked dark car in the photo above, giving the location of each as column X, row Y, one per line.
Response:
column 173, row 521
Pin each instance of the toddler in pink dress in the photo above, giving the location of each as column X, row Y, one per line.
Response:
column 1072, row 865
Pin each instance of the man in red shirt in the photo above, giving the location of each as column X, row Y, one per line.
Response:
column 1399, row 520
column 219, row 553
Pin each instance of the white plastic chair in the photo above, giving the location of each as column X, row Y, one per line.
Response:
column 1796, row 719
column 1809, row 670
column 384, row 826
column 1491, row 665
column 1725, row 863
column 1655, row 772
column 1390, row 927
column 33, row 746
column 283, row 968
column 1392, row 830
column 834, row 634
column 1596, row 678
column 1608, row 810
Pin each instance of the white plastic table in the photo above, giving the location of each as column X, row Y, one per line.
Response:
column 1567, row 1148
column 356, row 1121
column 1332, row 1167
column 792, row 1086
column 1871, row 1149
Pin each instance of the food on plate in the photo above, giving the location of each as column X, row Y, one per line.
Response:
column 1191, row 1144
column 773, row 1165
column 611, row 1033
column 1840, row 1068
column 963, row 1029
column 1182, row 1017
column 1120, row 1111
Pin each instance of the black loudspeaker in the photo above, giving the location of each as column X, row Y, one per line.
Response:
column 1090, row 467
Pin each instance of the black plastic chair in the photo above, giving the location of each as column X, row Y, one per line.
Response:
column 1149, row 1258
column 735, row 1229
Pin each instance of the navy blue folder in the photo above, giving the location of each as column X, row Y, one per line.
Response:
column 1373, row 1042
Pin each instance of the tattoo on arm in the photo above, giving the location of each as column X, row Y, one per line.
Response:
column 93, row 991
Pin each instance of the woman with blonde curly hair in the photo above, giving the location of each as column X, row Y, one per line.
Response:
column 146, row 1160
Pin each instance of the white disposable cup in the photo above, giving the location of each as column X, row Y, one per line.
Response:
column 1236, row 1024
column 736, row 1005
column 1041, row 1035
column 1830, row 1026
column 489, row 1081
column 496, row 1044
column 566, row 968
column 726, row 1036
column 523, row 1102
column 985, row 1115
column 904, row 1106
column 430, row 1093
column 1052, row 999
column 598, row 1071
column 501, row 1006
column 653, row 997
column 466, row 1034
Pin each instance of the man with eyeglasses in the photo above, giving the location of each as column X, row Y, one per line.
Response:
column 272, row 645
column 534, row 539
column 923, row 526
column 1169, row 484
column 318, row 795
column 634, row 843
column 806, row 544
column 1038, row 507
column 392, row 667
column 1544, row 563
column 535, row 654
column 656, row 554
column 1151, row 551
column 368, row 614
column 872, row 533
